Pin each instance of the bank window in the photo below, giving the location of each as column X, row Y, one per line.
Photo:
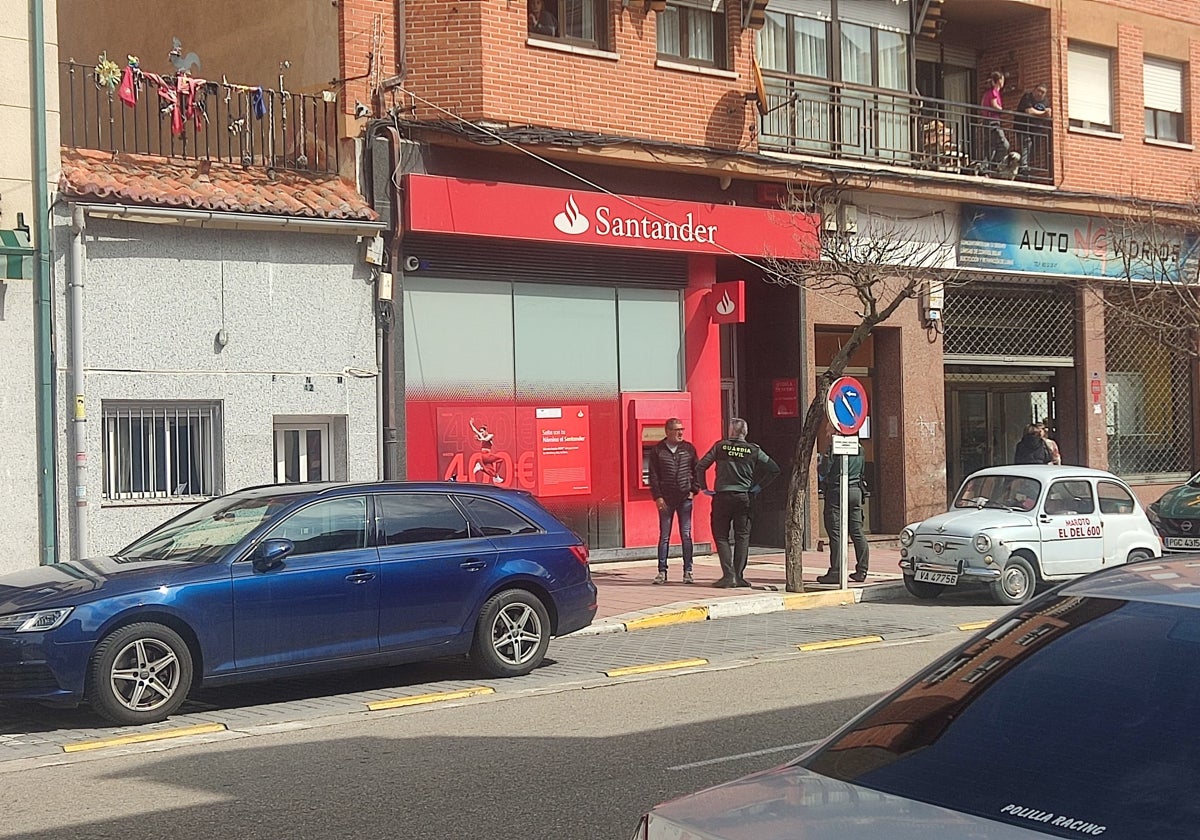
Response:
column 693, row 31
column 1163, row 87
column 577, row 21
column 1089, row 90
column 161, row 450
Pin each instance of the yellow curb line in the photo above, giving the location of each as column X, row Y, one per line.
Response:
column 975, row 625
column 421, row 699
column 837, row 643
column 661, row 666
column 678, row 617
column 183, row 732
column 827, row 598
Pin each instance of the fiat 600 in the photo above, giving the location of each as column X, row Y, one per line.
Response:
column 1015, row 526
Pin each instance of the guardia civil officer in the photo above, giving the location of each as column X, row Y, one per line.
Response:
column 743, row 470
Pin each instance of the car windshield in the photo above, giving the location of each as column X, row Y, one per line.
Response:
column 1038, row 724
column 206, row 532
column 1194, row 481
column 1011, row 492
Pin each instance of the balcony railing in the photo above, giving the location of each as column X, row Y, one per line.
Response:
column 851, row 122
column 218, row 121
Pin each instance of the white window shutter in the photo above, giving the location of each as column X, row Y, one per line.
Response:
column 1089, row 85
column 1163, row 85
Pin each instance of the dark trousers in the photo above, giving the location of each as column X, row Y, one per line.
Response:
column 683, row 510
column 731, row 511
column 998, row 145
column 854, row 523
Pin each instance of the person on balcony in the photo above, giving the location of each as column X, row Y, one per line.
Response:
column 993, row 110
column 1033, row 125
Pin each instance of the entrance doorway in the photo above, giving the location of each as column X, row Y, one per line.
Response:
column 986, row 419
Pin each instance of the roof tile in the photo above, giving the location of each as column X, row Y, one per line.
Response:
column 173, row 182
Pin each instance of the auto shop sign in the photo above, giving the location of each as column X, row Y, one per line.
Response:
column 436, row 204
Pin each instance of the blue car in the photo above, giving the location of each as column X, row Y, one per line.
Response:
column 288, row 580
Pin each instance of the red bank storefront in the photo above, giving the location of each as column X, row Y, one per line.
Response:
column 549, row 334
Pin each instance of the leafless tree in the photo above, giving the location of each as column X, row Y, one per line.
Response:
column 872, row 265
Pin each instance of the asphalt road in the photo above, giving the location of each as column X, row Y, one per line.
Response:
column 574, row 763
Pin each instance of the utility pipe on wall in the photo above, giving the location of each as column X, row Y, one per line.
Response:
column 43, row 302
column 79, row 512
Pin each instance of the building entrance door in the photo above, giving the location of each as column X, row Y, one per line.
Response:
column 984, row 422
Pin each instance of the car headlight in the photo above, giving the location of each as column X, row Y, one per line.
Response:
column 982, row 543
column 35, row 622
column 906, row 537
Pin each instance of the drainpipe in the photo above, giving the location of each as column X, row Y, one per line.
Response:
column 79, row 522
column 43, row 306
column 393, row 338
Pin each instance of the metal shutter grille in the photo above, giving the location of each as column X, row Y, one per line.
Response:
column 1032, row 321
column 535, row 262
column 1148, row 398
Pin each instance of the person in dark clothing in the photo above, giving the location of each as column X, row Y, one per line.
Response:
column 1033, row 125
column 832, row 485
column 1032, row 448
column 673, row 484
column 743, row 470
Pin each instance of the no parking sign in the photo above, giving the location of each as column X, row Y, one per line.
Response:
column 846, row 406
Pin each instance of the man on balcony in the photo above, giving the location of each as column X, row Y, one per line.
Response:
column 1033, row 124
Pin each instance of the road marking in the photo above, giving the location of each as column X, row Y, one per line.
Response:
column 975, row 625
column 421, row 699
column 120, row 741
column 678, row 617
column 740, row 756
column 660, row 666
column 837, row 643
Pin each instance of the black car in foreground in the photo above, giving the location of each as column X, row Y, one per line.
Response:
column 1073, row 716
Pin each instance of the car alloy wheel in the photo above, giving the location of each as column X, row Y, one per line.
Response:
column 140, row 673
column 512, row 633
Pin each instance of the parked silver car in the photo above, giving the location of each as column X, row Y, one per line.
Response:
column 1072, row 716
column 1011, row 527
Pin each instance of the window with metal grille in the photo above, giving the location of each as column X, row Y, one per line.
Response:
column 1148, row 399
column 161, row 450
column 997, row 323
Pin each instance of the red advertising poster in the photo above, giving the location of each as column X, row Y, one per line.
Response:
column 564, row 458
column 544, row 450
column 786, row 397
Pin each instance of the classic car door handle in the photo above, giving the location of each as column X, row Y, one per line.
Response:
column 360, row 576
column 473, row 565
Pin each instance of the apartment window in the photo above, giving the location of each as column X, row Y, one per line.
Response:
column 160, row 450
column 578, row 21
column 302, row 453
column 693, row 31
column 1089, row 87
column 1163, row 86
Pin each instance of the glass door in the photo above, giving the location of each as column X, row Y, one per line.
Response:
column 984, row 425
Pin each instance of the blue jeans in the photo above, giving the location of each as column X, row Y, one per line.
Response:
column 682, row 509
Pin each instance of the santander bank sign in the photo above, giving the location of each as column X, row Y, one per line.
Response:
column 436, row 204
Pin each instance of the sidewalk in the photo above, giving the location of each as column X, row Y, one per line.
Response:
column 628, row 600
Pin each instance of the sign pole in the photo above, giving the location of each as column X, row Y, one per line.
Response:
column 845, row 516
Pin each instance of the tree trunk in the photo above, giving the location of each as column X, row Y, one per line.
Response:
column 798, row 489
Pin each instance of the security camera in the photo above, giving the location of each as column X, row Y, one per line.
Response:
column 412, row 264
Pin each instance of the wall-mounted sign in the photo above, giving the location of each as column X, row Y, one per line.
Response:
column 435, row 204
column 727, row 302
column 785, row 397
column 1008, row 239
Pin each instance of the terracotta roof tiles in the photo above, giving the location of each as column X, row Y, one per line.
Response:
column 203, row 185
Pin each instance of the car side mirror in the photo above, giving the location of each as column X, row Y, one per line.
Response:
column 270, row 554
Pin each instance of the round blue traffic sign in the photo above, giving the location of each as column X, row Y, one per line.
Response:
column 846, row 406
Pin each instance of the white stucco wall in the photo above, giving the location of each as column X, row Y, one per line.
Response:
column 294, row 305
column 18, row 396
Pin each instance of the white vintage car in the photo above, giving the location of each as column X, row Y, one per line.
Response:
column 1013, row 526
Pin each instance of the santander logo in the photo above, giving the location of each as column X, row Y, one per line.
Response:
column 570, row 220
column 725, row 305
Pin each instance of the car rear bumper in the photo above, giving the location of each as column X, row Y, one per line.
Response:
column 576, row 607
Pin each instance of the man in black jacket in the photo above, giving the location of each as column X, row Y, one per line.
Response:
column 673, row 484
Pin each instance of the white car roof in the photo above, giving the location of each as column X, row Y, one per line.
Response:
column 1047, row 472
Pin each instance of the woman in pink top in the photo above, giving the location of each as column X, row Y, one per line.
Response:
column 993, row 108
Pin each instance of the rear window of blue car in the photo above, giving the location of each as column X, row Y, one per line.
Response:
column 1075, row 719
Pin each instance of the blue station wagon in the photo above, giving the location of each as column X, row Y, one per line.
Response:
column 290, row 580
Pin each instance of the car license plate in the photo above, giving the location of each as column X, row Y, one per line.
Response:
column 944, row 578
column 1183, row 542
